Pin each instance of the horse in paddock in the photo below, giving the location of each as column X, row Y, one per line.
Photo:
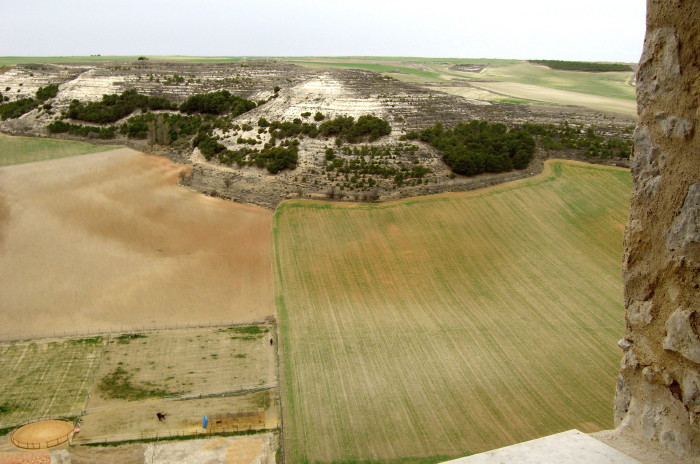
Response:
column 161, row 416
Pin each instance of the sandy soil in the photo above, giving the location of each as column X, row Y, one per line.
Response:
column 28, row 457
column 42, row 432
column 108, row 240
column 136, row 420
column 258, row 449
column 562, row 97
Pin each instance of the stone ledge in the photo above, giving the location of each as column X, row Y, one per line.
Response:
column 572, row 447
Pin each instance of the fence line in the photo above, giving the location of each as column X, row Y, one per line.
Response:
column 237, row 390
column 126, row 329
column 41, row 445
column 68, row 417
column 78, row 440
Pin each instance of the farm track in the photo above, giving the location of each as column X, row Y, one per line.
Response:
column 451, row 324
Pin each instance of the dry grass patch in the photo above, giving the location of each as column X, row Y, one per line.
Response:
column 184, row 363
column 451, row 324
column 45, row 378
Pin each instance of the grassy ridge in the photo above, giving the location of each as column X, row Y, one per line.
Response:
column 18, row 150
column 608, row 84
column 452, row 324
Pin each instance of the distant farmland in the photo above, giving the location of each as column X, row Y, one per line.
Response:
column 451, row 324
column 18, row 150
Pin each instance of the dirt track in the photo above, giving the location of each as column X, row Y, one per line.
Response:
column 108, row 240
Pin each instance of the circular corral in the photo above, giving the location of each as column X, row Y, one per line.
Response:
column 39, row 435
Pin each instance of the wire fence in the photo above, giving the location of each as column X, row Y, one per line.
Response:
column 122, row 330
column 170, row 434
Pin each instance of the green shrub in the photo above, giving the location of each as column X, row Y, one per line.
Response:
column 17, row 108
column 44, row 93
column 583, row 66
column 114, row 107
column 58, row 127
column 217, row 103
column 477, row 146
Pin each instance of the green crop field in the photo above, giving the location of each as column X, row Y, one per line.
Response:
column 606, row 84
column 45, row 378
column 524, row 81
column 17, row 150
column 452, row 324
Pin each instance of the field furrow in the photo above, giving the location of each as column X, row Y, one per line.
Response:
column 451, row 324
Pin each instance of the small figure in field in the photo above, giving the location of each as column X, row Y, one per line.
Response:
column 161, row 416
column 270, row 341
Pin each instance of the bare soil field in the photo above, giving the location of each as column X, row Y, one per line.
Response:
column 137, row 420
column 108, row 241
column 451, row 324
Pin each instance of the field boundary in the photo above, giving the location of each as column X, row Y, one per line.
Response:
column 124, row 329
column 170, row 435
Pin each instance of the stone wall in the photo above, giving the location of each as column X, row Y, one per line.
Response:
column 658, row 390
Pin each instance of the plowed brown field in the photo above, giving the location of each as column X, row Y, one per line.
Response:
column 451, row 324
column 109, row 241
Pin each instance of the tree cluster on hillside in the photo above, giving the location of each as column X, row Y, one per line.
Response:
column 276, row 157
column 477, row 146
column 15, row 109
column 363, row 167
column 219, row 102
column 44, row 93
column 345, row 128
column 585, row 66
column 179, row 126
column 271, row 157
column 572, row 136
column 62, row 127
column 114, row 107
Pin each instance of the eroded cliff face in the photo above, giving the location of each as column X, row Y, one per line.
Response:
column 658, row 391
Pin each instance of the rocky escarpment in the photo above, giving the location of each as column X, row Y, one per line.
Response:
column 292, row 92
column 658, row 390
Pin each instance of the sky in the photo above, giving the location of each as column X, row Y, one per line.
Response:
column 591, row 30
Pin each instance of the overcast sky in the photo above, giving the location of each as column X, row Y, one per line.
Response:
column 593, row 30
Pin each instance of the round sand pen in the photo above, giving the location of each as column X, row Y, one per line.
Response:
column 39, row 435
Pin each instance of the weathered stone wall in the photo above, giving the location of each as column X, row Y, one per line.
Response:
column 658, row 391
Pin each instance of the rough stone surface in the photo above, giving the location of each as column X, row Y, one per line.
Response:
column 639, row 313
column 572, row 447
column 681, row 336
column 658, row 391
column 684, row 234
column 673, row 126
column 691, row 391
